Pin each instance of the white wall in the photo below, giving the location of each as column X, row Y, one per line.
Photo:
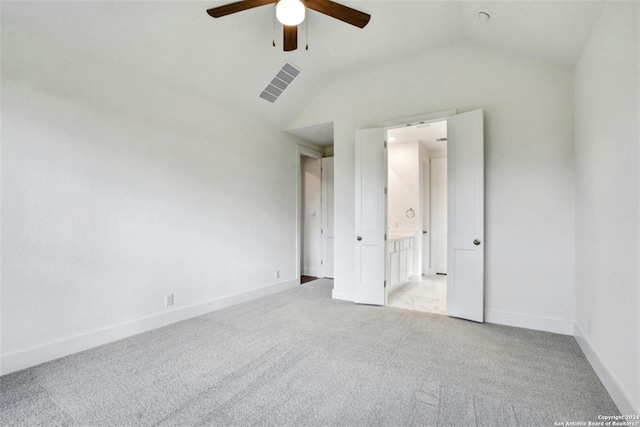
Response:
column 606, row 147
column 403, row 187
column 404, row 193
column 311, row 216
column 108, row 206
column 529, row 166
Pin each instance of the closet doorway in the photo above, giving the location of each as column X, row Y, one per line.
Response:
column 315, row 213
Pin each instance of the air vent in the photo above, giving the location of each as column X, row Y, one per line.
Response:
column 280, row 82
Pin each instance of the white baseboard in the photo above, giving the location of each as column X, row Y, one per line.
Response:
column 34, row 356
column 620, row 398
column 558, row 326
column 342, row 294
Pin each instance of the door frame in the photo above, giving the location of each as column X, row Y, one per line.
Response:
column 366, row 294
column 300, row 152
column 420, row 119
column 469, row 123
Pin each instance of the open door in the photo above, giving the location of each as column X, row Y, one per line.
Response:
column 465, row 261
column 327, row 217
column 371, row 223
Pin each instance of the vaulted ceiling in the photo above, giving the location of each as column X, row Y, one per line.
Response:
column 228, row 61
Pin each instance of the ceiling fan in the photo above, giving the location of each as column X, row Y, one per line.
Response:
column 291, row 13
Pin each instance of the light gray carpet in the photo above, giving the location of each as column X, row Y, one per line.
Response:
column 300, row 358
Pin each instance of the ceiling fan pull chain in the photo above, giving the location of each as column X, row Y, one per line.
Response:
column 306, row 29
column 274, row 26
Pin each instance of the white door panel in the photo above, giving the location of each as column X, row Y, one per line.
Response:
column 465, row 155
column 327, row 217
column 370, row 224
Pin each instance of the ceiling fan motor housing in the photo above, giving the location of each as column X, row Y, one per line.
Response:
column 292, row 12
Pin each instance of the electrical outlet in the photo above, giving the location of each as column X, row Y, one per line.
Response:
column 277, row 274
column 168, row 300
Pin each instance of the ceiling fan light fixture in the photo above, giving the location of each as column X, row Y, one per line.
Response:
column 290, row 12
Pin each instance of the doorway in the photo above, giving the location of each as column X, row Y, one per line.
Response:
column 416, row 244
column 311, row 218
column 315, row 238
column 465, row 214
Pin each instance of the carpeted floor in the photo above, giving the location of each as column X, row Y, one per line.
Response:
column 299, row 358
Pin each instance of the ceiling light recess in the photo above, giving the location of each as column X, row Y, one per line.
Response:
column 280, row 82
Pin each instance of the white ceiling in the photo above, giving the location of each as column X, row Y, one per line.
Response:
column 230, row 60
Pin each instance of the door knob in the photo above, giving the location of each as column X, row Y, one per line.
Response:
column 359, row 238
column 476, row 242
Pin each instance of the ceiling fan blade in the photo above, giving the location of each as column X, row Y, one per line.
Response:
column 239, row 6
column 290, row 37
column 338, row 11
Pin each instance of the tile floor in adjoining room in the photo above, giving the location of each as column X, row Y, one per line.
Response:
column 429, row 295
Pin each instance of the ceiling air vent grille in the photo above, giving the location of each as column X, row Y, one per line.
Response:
column 280, row 82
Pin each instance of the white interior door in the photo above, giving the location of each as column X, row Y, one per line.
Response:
column 311, row 241
column 327, row 217
column 370, row 224
column 465, row 154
